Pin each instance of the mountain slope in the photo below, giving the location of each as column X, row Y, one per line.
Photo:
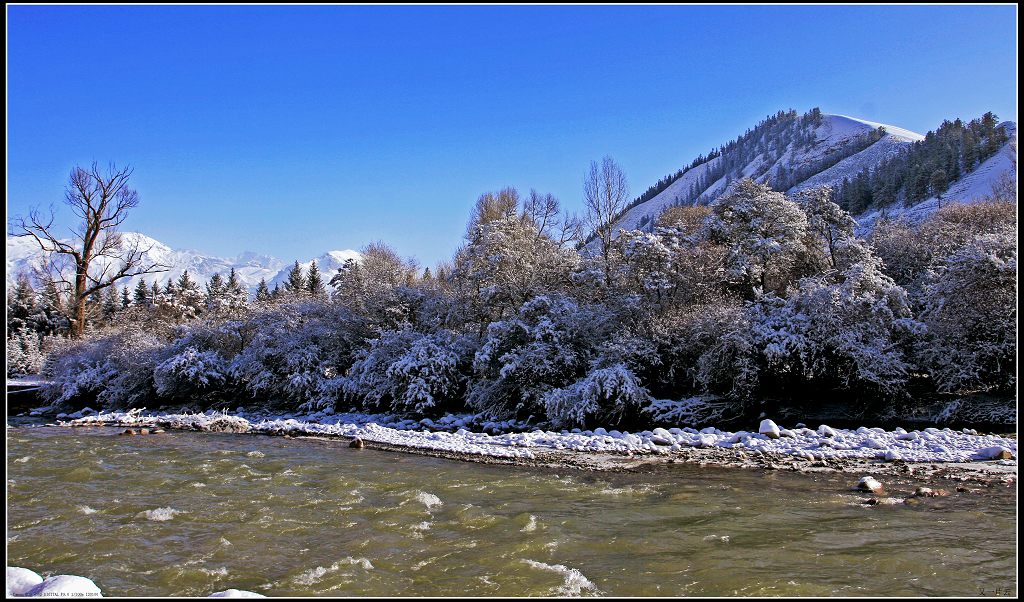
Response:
column 250, row 267
column 792, row 153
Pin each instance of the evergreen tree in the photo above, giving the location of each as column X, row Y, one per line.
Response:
column 236, row 293
column 263, row 293
column 215, row 291
column 126, row 298
column 110, row 303
column 314, row 283
column 296, row 283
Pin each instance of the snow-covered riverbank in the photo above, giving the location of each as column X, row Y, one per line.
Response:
column 822, row 447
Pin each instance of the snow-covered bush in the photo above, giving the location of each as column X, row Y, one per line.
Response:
column 855, row 333
column 404, row 370
column 606, row 394
column 24, row 353
column 293, row 351
column 189, row 374
column 971, row 314
column 548, row 346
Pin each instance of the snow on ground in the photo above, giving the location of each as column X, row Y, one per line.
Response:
column 928, row 445
column 844, row 126
column 971, row 188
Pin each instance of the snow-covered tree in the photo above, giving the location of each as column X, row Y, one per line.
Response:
column 970, row 308
column 549, row 344
column 764, row 232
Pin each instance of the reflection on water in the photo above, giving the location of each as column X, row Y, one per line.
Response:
column 193, row 513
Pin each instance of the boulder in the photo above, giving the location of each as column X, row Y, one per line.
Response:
column 997, row 452
column 128, row 432
column 868, row 483
column 826, row 431
column 20, row 581
column 65, row 586
column 769, row 429
column 356, row 443
column 236, row 593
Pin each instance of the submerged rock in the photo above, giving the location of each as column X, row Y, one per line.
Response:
column 929, row 492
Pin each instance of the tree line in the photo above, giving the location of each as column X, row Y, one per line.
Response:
column 754, row 300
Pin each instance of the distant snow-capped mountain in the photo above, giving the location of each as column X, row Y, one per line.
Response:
column 250, row 267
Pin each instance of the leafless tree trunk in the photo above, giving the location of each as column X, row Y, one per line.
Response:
column 102, row 202
column 604, row 196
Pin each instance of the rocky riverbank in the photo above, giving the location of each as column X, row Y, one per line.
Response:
column 926, row 456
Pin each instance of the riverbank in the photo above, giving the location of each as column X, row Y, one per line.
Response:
column 929, row 454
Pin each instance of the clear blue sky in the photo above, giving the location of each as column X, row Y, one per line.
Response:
column 295, row 130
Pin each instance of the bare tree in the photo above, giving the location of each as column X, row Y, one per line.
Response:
column 544, row 212
column 102, row 203
column 605, row 195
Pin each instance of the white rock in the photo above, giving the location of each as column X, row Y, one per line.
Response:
column 826, row 431
column 997, row 452
column 65, row 586
column 787, row 433
column 769, row 428
column 869, row 483
column 236, row 593
column 20, row 580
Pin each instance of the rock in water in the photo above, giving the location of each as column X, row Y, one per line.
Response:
column 769, row 429
column 357, row 443
column 869, row 483
column 65, row 586
column 20, row 581
column 128, row 432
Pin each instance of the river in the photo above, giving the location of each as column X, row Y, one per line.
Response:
column 188, row 513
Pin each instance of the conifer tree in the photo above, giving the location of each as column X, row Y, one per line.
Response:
column 314, row 283
column 126, row 297
column 214, row 290
column 262, row 292
column 143, row 296
column 296, row 283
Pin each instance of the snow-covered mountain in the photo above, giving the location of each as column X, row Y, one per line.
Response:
column 792, row 153
column 968, row 189
column 250, row 267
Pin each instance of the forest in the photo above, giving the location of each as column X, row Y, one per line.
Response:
column 755, row 300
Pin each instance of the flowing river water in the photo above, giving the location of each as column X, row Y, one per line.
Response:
column 193, row 513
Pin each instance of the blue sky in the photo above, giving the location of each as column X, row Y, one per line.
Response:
column 295, row 130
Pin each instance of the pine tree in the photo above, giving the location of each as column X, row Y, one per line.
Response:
column 263, row 293
column 143, row 296
column 214, row 290
column 314, row 283
column 296, row 283
column 110, row 303
column 53, row 296
column 126, row 297
column 236, row 293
